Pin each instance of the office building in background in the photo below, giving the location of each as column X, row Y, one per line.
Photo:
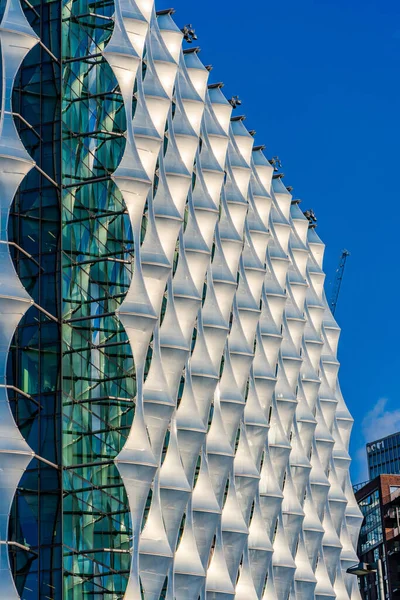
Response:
column 384, row 456
column 171, row 421
column 379, row 501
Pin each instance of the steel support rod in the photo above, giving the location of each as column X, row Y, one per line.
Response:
column 379, row 573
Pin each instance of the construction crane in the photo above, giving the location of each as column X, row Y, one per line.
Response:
column 338, row 280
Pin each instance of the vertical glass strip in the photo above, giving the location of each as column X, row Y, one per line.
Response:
column 35, row 358
column 98, row 373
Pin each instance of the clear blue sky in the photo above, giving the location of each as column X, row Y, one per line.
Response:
column 320, row 83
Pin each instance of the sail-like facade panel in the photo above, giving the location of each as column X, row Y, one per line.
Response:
column 200, row 438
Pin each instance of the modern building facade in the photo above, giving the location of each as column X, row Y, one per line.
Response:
column 384, row 456
column 379, row 502
column 171, row 420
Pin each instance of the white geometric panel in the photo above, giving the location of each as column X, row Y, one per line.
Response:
column 240, row 431
column 236, row 466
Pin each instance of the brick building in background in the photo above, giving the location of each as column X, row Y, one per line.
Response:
column 379, row 501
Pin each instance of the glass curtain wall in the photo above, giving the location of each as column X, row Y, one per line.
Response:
column 98, row 372
column 371, row 532
column 34, row 360
column 70, row 372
